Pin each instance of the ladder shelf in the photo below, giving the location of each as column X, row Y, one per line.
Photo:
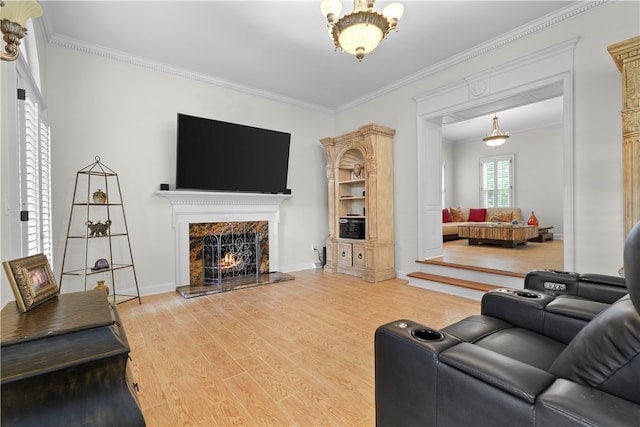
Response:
column 97, row 246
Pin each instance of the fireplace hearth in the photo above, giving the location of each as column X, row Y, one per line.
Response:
column 191, row 291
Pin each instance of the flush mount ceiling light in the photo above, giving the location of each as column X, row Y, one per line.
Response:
column 496, row 137
column 13, row 15
column 360, row 32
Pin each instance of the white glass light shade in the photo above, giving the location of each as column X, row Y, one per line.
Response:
column 330, row 7
column 393, row 11
column 495, row 141
column 19, row 11
column 364, row 36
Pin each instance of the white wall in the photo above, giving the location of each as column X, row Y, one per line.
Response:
column 538, row 177
column 127, row 116
column 597, row 132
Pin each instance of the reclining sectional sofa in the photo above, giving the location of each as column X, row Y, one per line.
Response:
column 565, row 351
column 452, row 218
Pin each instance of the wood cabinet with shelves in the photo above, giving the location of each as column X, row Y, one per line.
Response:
column 361, row 197
column 98, row 230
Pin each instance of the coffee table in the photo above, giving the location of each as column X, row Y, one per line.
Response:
column 506, row 235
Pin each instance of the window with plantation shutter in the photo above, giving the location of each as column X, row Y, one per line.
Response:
column 496, row 182
column 35, row 182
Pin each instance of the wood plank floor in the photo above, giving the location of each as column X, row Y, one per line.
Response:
column 521, row 260
column 292, row 353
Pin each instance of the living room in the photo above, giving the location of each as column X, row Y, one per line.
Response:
column 125, row 112
column 535, row 171
column 98, row 106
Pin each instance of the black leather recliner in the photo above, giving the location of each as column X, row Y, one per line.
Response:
column 595, row 287
column 530, row 359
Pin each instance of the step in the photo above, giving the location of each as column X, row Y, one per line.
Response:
column 483, row 287
column 471, row 268
column 462, row 280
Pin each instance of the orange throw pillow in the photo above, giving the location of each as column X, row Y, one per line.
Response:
column 456, row 214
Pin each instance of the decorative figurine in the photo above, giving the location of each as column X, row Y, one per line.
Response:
column 357, row 171
column 100, row 264
column 100, row 197
column 98, row 229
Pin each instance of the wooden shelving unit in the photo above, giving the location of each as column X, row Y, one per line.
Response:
column 364, row 199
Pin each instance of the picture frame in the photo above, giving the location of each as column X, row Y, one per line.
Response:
column 31, row 280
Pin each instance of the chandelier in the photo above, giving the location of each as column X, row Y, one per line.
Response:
column 13, row 15
column 496, row 137
column 360, row 32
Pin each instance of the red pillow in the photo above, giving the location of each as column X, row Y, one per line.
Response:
column 446, row 216
column 477, row 215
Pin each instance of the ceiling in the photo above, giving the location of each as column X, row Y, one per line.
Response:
column 280, row 49
column 473, row 125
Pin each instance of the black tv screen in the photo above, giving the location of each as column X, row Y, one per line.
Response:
column 220, row 156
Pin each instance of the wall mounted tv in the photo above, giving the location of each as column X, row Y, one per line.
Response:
column 220, row 156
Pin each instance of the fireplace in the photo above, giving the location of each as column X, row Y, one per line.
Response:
column 209, row 208
column 227, row 251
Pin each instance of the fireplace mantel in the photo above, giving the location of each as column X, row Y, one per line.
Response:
column 179, row 197
column 207, row 207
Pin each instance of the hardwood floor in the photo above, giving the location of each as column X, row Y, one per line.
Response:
column 292, row 353
column 521, row 260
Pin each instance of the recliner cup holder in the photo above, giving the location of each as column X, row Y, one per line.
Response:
column 525, row 294
column 427, row 335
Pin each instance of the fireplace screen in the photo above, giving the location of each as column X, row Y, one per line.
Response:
column 234, row 253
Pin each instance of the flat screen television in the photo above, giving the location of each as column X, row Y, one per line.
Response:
column 220, row 156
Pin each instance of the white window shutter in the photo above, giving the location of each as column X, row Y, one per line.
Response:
column 36, row 180
column 496, row 181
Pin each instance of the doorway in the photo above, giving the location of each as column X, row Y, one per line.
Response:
column 499, row 88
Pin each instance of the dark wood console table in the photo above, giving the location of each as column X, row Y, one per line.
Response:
column 64, row 363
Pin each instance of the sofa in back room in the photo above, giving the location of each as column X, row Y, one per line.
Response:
column 453, row 217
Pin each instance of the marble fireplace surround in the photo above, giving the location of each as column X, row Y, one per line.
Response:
column 190, row 207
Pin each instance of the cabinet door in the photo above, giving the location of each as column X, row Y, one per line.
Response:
column 359, row 257
column 345, row 254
